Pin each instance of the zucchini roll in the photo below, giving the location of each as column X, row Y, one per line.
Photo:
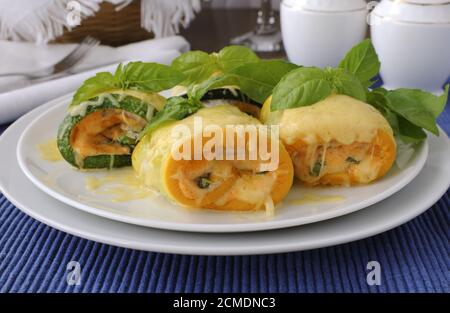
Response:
column 102, row 132
column 238, row 184
column 337, row 141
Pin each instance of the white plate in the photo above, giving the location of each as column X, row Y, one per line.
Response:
column 64, row 183
column 419, row 195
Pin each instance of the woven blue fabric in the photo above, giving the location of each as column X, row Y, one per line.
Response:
column 414, row 258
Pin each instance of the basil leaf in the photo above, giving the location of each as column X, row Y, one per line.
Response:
column 301, row 87
column 233, row 56
column 404, row 130
column 362, row 60
column 119, row 72
column 196, row 65
column 100, row 83
column 434, row 104
column 176, row 108
column 418, row 107
column 346, row 83
column 410, row 133
column 258, row 79
column 197, row 91
column 442, row 101
column 199, row 66
column 152, row 77
column 377, row 98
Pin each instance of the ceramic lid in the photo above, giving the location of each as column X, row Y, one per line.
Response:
column 414, row 11
column 326, row 5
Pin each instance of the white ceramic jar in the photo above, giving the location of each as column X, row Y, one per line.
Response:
column 412, row 39
column 320, row 32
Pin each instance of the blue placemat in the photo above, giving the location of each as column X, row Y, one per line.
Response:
column 414, row 257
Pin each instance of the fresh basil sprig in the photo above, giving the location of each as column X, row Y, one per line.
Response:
column 150, row 77
column 363, row 62
column 199, row 66
column 308, row 85
column 258, row 79
column 231, row 57
column 232, row 66
column 352, row 77
column 301, row 87
column 346, row 83
column 195, row 65
column 176, row 108
column 408, row 111
column 197, row 91
column 202, row 72
column 255, row 79
column 100, row 83
column 404, row 130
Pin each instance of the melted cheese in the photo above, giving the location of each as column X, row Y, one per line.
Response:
column 122, row 184
column 338, row 117
column 270, row 207
column 81, row 108
column 182, row 90
column 251, row 189
column 151, row 154
column 309, row 198
column 49, row 151
column 178, row 91
column 321, row 137
column 152, row 99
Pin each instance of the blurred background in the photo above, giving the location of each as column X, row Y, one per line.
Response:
column 36, row 35
column 212, row 27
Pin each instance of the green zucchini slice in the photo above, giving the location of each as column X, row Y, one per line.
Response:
column 234, row 97
column 228, row 94
column 102, row 132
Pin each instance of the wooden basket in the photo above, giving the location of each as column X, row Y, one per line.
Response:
column 111, row 27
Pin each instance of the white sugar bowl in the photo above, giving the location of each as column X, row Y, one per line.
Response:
column 320, row 32
column 412, row 39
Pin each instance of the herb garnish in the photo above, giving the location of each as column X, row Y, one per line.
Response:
column 204, row 181
column 352, row 160
column 176, row 108
column 149, row 77
column 235, row 66
column 316, row 169
column 408, row 111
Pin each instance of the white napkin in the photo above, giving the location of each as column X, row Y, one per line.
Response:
column 19, row 56
column 44, row 20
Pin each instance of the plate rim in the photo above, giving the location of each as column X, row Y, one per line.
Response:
column 56, row 104
column 347, row 237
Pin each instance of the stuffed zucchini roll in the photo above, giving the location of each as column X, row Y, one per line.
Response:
column 227, row 183
column 102, row 132
column 337, row 141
